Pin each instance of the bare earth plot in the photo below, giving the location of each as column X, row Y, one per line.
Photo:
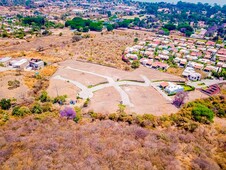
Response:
column 17, row 93
column 111, row 86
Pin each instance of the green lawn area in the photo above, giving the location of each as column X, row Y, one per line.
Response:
column 188, row 88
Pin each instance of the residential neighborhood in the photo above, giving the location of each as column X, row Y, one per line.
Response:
column 162, row 52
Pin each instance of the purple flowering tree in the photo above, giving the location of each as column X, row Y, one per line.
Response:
column 180, row 98
column 68, row 112
column 183, row 30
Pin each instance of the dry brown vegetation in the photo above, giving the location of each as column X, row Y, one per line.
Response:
column 108, row 145
column 101, row 48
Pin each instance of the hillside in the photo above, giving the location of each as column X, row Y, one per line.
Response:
column 57, row 143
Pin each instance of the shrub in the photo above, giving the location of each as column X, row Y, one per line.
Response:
column 135, row 64
column 221, row 113
column 13, row 84
column 135, row 40
column 47, row 107
column 20, row 111
column 60, row 99
column 202, row 114
column 44, row 97
column 36, row 109
column 113, row 116
column 76, row 38
column 86, row 103
column 5, row 104
column 78, row 116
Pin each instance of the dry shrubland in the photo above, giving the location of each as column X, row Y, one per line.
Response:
column 57, row 143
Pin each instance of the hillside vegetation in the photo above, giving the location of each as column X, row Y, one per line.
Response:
column 56, row 143
column 37, row 137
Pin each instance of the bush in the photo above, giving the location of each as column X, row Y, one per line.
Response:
column 5, row 104
column 86, row 103
column 20, row 111
column 13, row 84
column 36, row 109
column 202, row 114
column 135, row 64
column 44, row 97
column 76, row 38
column 47, row 107
column 60, row 99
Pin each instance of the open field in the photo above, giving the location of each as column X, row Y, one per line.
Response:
column 18, row 93
column 101, row 48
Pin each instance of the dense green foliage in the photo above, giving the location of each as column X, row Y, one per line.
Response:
column 20, row 111
column 222, row 73
column 5, row 104
column 83, row 25
column 202, row 113
column 135, row 64
column 37, row 21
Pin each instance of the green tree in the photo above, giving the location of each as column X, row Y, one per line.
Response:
column 44, row 97
column 36, row 109
column 5, row 104
column 202, row 114
column 110, row 27
column 135, row 40
column 135, row 64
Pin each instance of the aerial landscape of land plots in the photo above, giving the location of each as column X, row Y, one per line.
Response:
column 107, row 87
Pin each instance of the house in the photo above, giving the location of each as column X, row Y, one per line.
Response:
column 21, row 64
column 173, row 88
column 160, row 65
column 183, row 62
column 36, row 64
column 164, row 57
column 188, row 71
column 132, row 56
column 163, row 85
column 5, row 61
column 210, row 68
column 194, row 76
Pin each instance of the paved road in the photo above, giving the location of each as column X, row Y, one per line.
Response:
column 206, row 81
column 85, row 92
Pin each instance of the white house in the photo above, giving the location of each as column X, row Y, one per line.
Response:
column 194, row 76
column 19, row 64
column 173, row 88
column 5, row 60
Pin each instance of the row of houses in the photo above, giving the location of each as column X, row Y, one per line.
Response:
column 191, row 54
column 32, row 64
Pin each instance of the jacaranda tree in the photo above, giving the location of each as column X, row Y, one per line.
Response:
column 68, row 112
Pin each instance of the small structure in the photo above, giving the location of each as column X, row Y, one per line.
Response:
column 36, row 64
column 194, row 76
column 173, row 88
column 5, row 61
column 163, row 85
column 190, row 73
column 21, row 64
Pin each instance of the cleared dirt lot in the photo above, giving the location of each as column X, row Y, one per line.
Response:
column 57, row 87
column 144, row 98
column 17, row 93
column 104, row 101
column 148, row 100
column 120, row 74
